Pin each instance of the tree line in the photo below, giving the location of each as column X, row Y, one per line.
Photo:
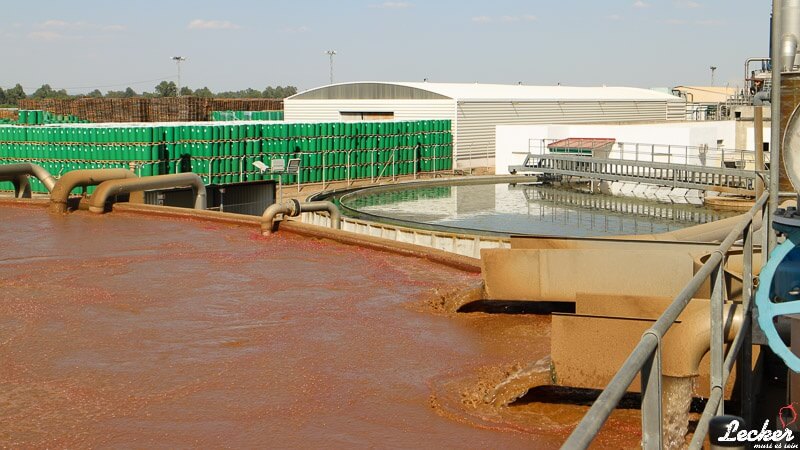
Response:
column 11, row 97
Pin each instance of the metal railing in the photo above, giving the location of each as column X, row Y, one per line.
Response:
column 646, row 356
column 688, row 155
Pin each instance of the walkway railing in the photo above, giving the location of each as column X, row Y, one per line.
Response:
column 722, row 170
column 691, row 155
column 646, row 356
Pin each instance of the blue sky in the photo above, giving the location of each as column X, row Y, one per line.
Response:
column 85, row 44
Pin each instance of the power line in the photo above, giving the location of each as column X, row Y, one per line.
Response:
column 130, row 83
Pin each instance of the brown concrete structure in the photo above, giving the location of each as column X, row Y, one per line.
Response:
column 558, row 275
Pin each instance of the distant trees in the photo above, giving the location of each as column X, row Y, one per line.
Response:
column 204, row 92
column 166, row 89
column 15, row 94
column 244, row 93
column 268, row 92
column 279, row 91
column 48, row 92
column 127, row 93
column 12, row 96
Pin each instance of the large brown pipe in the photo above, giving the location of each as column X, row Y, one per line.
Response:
column 90, row 177
column 114, row 187
column 294, row 208
column 18, row 175
column 687, row 343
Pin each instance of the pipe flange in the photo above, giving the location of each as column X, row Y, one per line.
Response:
column 294, row 207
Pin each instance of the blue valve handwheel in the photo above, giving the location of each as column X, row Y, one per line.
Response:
column 768, row 310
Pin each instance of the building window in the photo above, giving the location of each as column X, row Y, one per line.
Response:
column 357, row 116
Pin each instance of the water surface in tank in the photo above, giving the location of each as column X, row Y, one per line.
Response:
column 527, row 209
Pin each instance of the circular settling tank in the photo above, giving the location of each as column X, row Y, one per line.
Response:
column 522, row 208
column 126, row 330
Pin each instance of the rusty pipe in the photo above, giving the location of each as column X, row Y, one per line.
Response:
column 90, row 177
column 97, row 203
column 294, row 208
column 18, row 175
column 686, row 344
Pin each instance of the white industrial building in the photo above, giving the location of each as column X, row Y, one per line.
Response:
column 476, row 109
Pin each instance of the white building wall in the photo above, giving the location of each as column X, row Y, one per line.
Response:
column 749, row 143
column 513, row 142
column 328, row 110
column 477, row 121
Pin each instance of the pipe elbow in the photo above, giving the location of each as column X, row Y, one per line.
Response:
column 326, row 206
column 125, row 186
column 685, row 345
column 60, row 193
column 18, row 174
column 268, row 218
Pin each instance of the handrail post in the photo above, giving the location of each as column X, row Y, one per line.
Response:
column 775, row 116
column 744, row 364
column 716, row 345
column 651, row 399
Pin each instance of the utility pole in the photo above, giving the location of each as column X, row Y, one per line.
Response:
column 330, row 54
column 713, row 69
column 178, row 60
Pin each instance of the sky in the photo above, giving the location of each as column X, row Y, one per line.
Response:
column 81, row 45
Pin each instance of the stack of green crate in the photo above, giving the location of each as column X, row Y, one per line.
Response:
column 246, row 115
column 39, row 117
column 223, row 153
column 60, row 149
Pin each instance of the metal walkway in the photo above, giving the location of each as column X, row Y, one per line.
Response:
column 729, row 180
column 729, row 171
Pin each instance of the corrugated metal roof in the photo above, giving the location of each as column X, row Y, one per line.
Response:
column 480, row 91
column 587, row 143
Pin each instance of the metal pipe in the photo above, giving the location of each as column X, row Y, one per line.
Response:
column 775, row 120
column 747, row 65
column 789, row 34
column 18, row 175
column 758, row 137
column 90, row 177
column 114, row 187
column 294, row 208
column 683, row 351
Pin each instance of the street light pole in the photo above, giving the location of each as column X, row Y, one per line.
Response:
column 178, row 60
column 330, row 54
column 713, row 69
